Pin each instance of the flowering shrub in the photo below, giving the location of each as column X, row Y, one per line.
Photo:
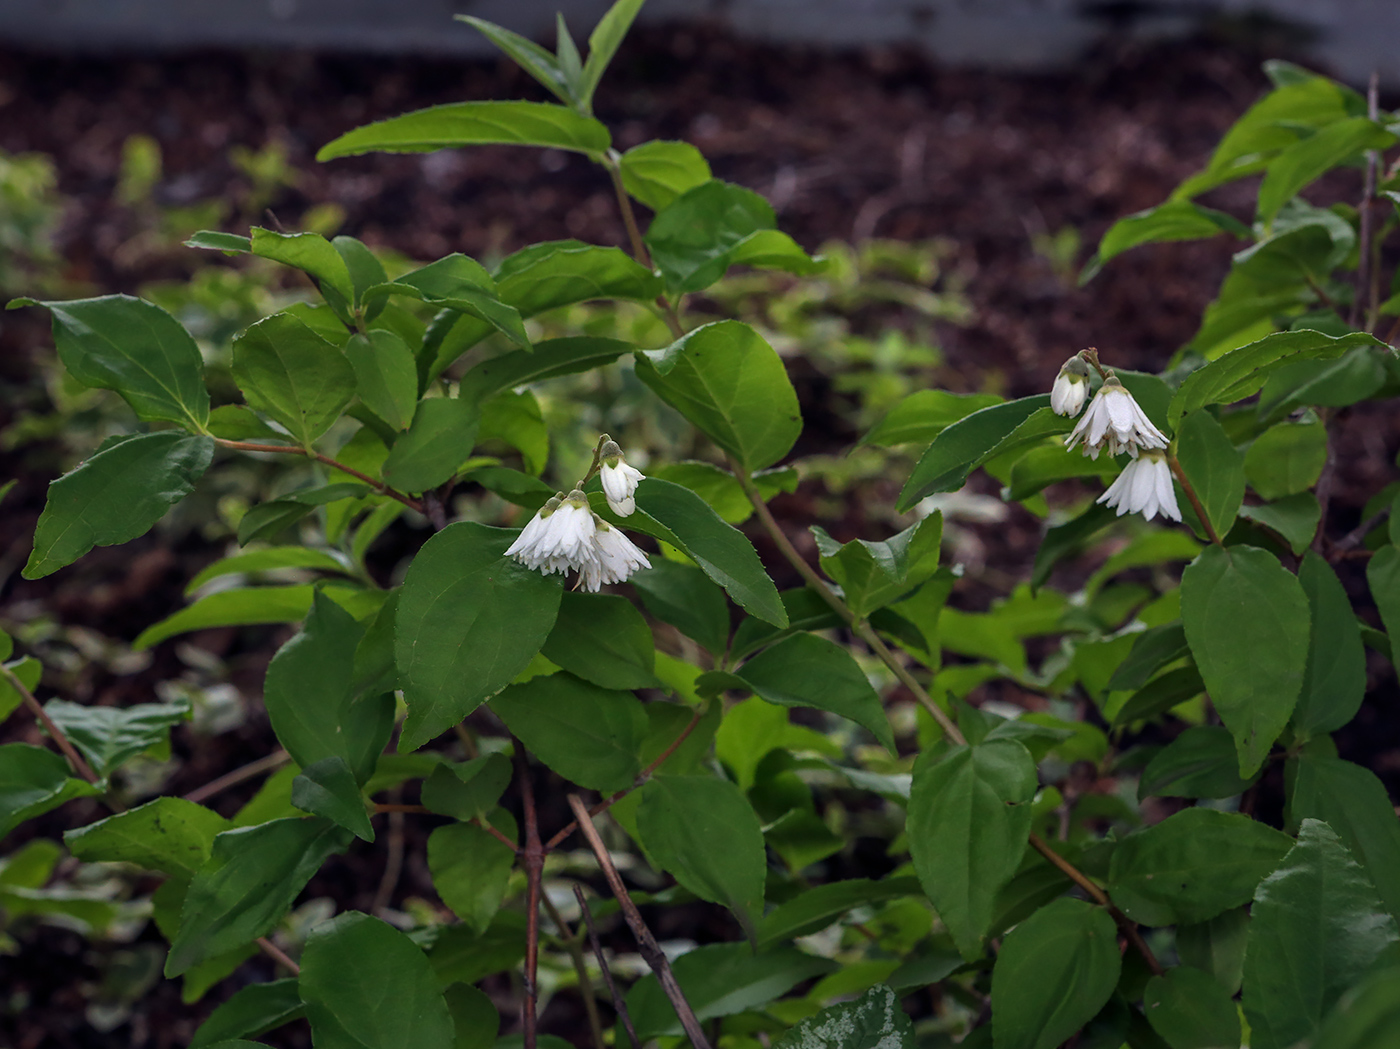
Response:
column 1082, row 864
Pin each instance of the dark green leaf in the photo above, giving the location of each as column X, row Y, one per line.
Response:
column 33, row 781
column 1191, row 1010
column 589, row 735
column 461, row 284
column 516, row 419
column 1192, row 866
column 602, row 638
column 549, row 360
column 467, row 791
column 1247, row 622
column 1350, row 378
column 872, row 575
column 1055, row 971
column 1367, row 1016
column 289, row 372
column 440, row 439
column 924, row 414
column 962, row 447
column 470, row 869
column 328, row 789
column 386, row 375
column 969, row 819
column 111, row 736
column 1213, row 466
column 169, row 834
column 1287, row 458
column 269, row 520
column 474, row 1017
column 1216, row 946
column 875, row 1020
column 1199, row 763
column 693, row 238
column 815, row 909
column 1153, row 649
column 1317, row 926
column 656, row 173
column 682, row 596
column 365, row 982
column 116, row 495
column 245, row 607
column 470, row 619
column 473, row 124
column 603, row 43
column 315, row 255
column 1169, row 221
column 1383, row 577
column 1307, row 159
column 252, row 1010
column 1294, row 518
column 459, row 955
column 28, row 670
column 271, row 559
column 511, row 485
column 1335, row 679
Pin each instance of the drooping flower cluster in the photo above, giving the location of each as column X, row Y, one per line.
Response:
column 1114, row 421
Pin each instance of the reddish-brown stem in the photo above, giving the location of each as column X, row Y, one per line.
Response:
column 1195, row 500
column 76, row 761
column 394, row 807
column 278, row 955
column 276, row 759
column 618, row 1004
column 532, row 859
column 642, row 777
column 326, row 460
column 647, row 946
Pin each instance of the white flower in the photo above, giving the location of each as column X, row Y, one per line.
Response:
column 559, row 537
column 619, row 480
column 1071, row 387
column 1144, row 486
column 1115, row 421
column 618, row 557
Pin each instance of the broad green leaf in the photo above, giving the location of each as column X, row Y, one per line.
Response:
column 875, row 1020
column 386, row 375
column 603, row 43
column 120, row 343
column 815, row 909
column 1367, row 1016
column 721, row 550
column 459, row 955
column 1317, row 926
column 461, row 284
column 469, row 620
column 771, row 249
column 1247, row 621
column 111, row 736
column 532, row 58
column 752, row 729
column 470, row 869
column 721, row 979
column 1287, row 458
column 1244, row 371
column 1046, row 464
column 924, row 414
column 517, row 419
column 589, row 735
column 439, row 440
column 1334, row 680
column 703, row 832
column 474, row 1017
column 368, row 985
column 682, row 596
column 474, row 124
column 213, row 240
column 467, row 791
column 249, row 606
column 692, row 239
column 250, row 879
column 809, row 671
column 315, row 255
column 656, row 173
column 116, row 495
column 969, row 820
column 1169, row 221
column 1354, row 803
column 1294, row 518
column 365, row 270
column 1054, row 972
column 1383, row 577
column 549, row 360
column 292, row 374
column 731, row 384
column 1213, row 466
column 1308, row 158
column 602, row 638
column 959, row 448
column 271, row 559
column 252, row 1010
column 721, row 489
column 328, row 788
column 1216, row 946
column 1192, row 866
column 33, row 781
column 1191, row 1010
column 169, row 834
column 1350, row 378
column 28, row 670
column 1199, row 763
column 872, row 575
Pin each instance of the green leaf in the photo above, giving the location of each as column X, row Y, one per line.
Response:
column 469, row 620
column 703, row 832
column 28, row 670
column 602, row 638
column 111, row 736
column 875, row 1020
column 247, row 607
column 250, row 879
column 1310, row 157
column 1244, row 371
column 1334, row 680
column 1287, row 458
column 1294, row 518
column 809, row 671
column 1213, row 466
column 587, row 734
column 731, row 384
column 365, row 270
column 368, row 985
column 1190, row 1010
column 440, row 439
column 773, row 250
column 516, row 419
column 873, row 575
column 121, row 343
column 1383, row 577
column 815, row 909
column 252, row 1010
column 1216, row 946
column 468, row 791
column 312, row 254
column 532, row 58
column 1350, row 378
column 966, row 444
column 459, row 283
column 693, row 239
column 470, row 870
column 386, row 375
column 1355, row 804
column 549, row 360
column 1317, row 927
column 969, row 820
column 459, row 955
column 116, row 495
column 33, row 781
column 292, row 374
column 474, row 124
column 1065, row 540
column 271, row 559
column 721, row 550
column 213, row 240
column 169, row 834
column 1054, row 972
column 1247, row 621
column 1367, row 1016
column 721, row 979
column 474, row 1017
column 924, row 414
column 1199, row 763
column 328, row 788
column 1192, row 866
column 682, row 596
column 603, row 43
column 1169, row 221
column 656, row 173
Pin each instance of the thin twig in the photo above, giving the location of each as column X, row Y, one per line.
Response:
column 325, row 460
column 1366, row 288
column 1358, row 534
column 276, row 759
column 1175, row 464
column 75, row 760
column 618, row 1004
column 278, row 955
column 651, row 952
column 393, row 863
column 1325, row 480
column 573, row 943
column 532, row 859
column 639, row 246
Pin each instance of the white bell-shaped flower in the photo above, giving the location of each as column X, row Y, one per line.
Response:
column 1116, row 422
column 1071, row 387
column 1145, row 487
column 617, row 558
column 559, row 537
column 618, row 479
